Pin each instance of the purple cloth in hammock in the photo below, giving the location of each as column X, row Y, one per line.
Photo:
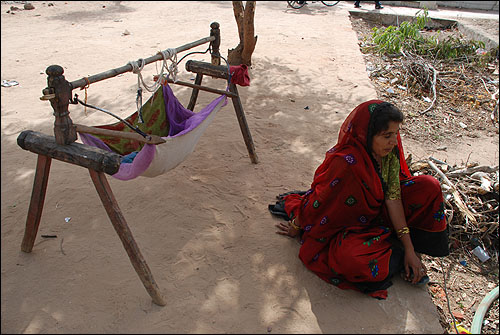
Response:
column 181, row 120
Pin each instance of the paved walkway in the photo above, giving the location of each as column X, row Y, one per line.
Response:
column 475, row 24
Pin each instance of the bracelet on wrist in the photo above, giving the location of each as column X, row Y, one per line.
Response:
column 292, row 223
column 403, row 231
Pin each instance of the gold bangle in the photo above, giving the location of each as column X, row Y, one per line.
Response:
column 292, row 223
column 402, row 231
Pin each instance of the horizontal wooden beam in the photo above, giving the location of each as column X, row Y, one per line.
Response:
column 208, row 69
column 203, row 88
column 127, row 68
column 75, row 153
column 154, row 139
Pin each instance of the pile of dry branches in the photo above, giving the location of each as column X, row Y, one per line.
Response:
column 471, row 196
column 456, row 83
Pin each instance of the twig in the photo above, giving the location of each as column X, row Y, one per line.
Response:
column 61, row 247
column 493, row 95
column 467, row 161
column 470, row 170
column 472, row 304
column 489, row 211
column 438, row 161
column 433, row 90
column 446, row 294
column 453, row 281
column 486, row 88
column 456, row 195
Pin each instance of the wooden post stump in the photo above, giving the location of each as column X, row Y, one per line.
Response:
column 64, row 130
column 215, row 32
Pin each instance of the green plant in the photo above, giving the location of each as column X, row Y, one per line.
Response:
column 408, row 37
column 391, row 39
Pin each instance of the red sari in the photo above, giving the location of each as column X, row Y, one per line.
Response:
column 346, row 228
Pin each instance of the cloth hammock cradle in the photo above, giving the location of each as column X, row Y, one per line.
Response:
column 178, row 126
column 163, row 116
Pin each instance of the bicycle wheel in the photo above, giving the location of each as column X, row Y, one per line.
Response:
column 330, row 3
column 296, row 4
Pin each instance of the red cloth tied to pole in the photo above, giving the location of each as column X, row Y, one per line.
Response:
column 239, row 75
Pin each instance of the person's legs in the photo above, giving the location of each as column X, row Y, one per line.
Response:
column 378, row 5
column 396, row 262
column 361, row 255
column 356, row 4
column 424, row 211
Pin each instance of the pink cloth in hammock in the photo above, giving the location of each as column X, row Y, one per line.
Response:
column 181, row 120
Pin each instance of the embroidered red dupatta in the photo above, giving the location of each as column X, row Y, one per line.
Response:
column 343, row 216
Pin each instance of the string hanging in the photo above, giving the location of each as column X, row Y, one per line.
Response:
column 85, row 88
column 169, row 54
column 137, row 66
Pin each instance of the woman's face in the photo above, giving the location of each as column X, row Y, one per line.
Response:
column 384, row 142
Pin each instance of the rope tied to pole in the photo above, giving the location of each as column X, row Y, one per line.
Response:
column 85, row 87
column 172, row 69
column 138, row 66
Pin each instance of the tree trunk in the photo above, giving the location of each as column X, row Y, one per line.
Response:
column 249, row 40
column 244, row 16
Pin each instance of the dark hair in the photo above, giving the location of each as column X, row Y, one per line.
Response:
column 380, row 117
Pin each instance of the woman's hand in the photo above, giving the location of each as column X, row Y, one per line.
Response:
column 413, row 262
column 287, row 229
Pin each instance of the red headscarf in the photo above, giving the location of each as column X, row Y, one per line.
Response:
column 346, row 196
column 354, row 131
column 351, row 156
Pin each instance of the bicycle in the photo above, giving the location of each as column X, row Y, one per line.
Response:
column 300, row 4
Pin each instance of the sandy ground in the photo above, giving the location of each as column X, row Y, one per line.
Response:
column 204, row 227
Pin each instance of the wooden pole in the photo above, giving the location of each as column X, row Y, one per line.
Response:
column 127, row 68
column 208, row 69
column 36, row 203
column 125, row 235
column 194, row 94
column 215, row 32
column 75, row 153
column 64, row 131
column 155, row 139
column 203, row 88
column 460, row 204
column 247, row 136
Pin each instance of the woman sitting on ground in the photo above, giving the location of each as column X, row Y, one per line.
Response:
column 365, row 217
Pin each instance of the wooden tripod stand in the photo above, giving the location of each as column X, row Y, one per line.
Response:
column 98, row 162
column 63, row 147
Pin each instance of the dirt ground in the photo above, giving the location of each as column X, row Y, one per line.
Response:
column 203, row 227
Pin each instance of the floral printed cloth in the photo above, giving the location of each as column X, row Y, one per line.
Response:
column 347, row 232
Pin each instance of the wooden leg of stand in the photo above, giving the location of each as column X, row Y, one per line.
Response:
column 36, row 203
column 121, row 227
column 238, row 108
column 194, row 94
